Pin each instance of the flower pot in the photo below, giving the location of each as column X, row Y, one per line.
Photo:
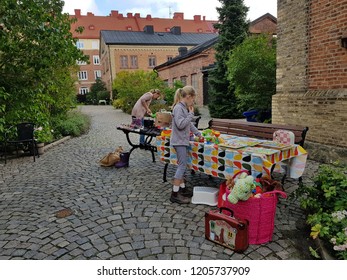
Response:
column 40, row 148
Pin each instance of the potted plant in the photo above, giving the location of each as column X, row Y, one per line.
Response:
column 43, row 135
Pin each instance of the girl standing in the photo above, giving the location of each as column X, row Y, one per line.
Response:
column 182, row 117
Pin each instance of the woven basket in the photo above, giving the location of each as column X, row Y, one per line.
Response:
column 260, row 212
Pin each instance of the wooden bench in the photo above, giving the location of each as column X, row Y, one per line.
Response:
column 257, row 130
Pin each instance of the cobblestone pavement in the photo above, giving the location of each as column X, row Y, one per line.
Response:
column 118, row 213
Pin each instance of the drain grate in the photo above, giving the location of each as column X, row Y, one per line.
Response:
column 64, row 213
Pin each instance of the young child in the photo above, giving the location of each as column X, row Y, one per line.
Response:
column 182, row 117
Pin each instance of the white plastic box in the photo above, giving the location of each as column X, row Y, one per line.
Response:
column 205, row 195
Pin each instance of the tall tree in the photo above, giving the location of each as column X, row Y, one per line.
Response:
column 252, row 70
column 37, row 55
column 233, row 29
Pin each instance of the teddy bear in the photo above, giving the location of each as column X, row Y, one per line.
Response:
column 242, row 189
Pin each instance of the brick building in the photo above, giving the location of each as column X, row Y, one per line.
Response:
column 188, row 67
column 129, row 50
column 89, row 41
column 192, row 67
column 312, row 74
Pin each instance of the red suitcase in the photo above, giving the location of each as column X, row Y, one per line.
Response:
column 226, row 230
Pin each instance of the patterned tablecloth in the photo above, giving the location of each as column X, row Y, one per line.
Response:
column 223, row 162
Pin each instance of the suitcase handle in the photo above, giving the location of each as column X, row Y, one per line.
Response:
column 227, row 209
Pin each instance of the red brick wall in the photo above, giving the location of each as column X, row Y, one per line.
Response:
column 327, row 67
column 188, row 67
column 312, row 74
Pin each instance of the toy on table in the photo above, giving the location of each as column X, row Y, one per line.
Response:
column 242, row 189
column 211, row 135
column 166, row 132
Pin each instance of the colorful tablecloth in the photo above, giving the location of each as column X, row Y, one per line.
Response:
column 223, row 162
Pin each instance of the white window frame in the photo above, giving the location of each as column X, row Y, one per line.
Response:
column 83, row 90
column 79, row 62
column 96, row 45
column 124, row 61
column 96, row 59
column 134, row 61
column 82, row 75
column 80, row 45
column 97, row 74
column 152, row 61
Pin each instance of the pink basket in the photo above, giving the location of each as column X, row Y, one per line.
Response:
column 260, row 212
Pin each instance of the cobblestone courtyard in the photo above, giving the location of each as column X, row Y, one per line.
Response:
column 119, row 213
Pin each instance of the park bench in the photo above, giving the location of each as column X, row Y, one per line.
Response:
column 257, row 130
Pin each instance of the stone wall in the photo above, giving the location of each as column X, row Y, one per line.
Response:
column 312, row 74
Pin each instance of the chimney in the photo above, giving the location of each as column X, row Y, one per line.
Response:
column 182, row 51
column 137, row 15
column 89, row 14
column 77, row 12
column 149, row 17
column 197, row 18
column 176, row 30
column 178, row 15
column 114, row 13
column 148, row 29
column 129, row 15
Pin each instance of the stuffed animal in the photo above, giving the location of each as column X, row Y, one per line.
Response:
column 242, row 189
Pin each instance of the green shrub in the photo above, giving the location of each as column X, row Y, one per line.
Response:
column 74, row 124
column 326, row 205
column 103, row 95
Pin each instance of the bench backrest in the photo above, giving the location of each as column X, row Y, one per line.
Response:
column 256, row 130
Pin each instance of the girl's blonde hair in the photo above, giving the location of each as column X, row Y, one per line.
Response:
column 157, row 91
column 183, row 92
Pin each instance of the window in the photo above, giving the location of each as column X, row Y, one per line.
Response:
column 123, row 61
column 79, row 44
column 81, row 62
column 133, row 61
column 97, row 74
column 152, row 61
column 195, row 83
column 184, row 80
column 83, row 90
column 82, row 75
column 96, row 59
column 95, row 45
column 169, row 57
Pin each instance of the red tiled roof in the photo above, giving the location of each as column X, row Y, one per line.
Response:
column 134, row 22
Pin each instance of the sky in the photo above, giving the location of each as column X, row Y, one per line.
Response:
column 165, row 8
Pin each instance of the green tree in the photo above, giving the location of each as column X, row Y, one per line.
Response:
column 98, row 87
column 129, row 86
column 37, row 58
column 233, row 29
column 252, row 71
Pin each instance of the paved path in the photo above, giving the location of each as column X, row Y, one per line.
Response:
column 117, row 213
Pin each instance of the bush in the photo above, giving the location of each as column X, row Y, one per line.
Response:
column 74, row 124
column 104, row 95
column 326, row 205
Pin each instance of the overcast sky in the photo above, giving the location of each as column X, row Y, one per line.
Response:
column 163, row 8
